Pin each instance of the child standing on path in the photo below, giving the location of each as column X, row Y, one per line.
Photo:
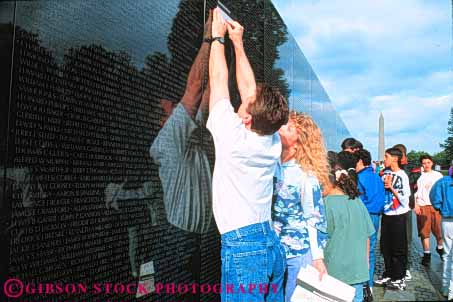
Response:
column 348, row 227
column 393, row 225
column 428, row 219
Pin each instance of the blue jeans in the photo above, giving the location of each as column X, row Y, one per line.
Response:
column 293, row 266
column 375, row 219
column 447, row 272
column 358, row 297
column 253, row 265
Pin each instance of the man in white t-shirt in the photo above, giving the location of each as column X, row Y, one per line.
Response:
column 428, row 219
column 247, row 150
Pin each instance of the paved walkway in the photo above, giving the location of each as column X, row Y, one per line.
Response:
column 425, row 284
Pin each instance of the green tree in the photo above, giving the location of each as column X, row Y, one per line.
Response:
column 448, row 143
column 441, row 158
column 414, row 156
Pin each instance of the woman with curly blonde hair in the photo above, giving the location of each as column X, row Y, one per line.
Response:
column 311, row 153
column 298, row 210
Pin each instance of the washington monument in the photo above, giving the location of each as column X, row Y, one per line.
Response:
column 381, row 138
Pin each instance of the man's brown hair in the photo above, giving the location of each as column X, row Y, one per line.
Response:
column 269, row 111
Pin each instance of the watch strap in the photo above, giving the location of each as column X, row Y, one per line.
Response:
column 210, row 40
column 220, row 39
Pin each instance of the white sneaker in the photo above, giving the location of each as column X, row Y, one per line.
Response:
column 396, row 285
column 408, row 276
column 382, row 281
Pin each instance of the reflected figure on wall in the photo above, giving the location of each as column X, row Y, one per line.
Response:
column 178, row 151
column 19, row 192
column 115, row 193
column 17, row 180
column 23, row 180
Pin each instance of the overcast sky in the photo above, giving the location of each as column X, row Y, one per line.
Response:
column 387, row 56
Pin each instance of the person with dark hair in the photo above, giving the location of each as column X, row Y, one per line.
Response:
column 428, row 219
column 364, row 156
column 348, row 227
column 348, row 161
column 372, row 195
column 247, row 152
column 403, row 150
column 413, row 174
column 351, row 145
column 332, row 158
column 441, row 196
column 393, row 225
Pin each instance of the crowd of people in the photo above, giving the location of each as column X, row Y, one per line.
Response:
column 282, row 202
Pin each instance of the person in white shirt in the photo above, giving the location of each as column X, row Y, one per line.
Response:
column 428, row 219
column 247, row 150
column 393, row 223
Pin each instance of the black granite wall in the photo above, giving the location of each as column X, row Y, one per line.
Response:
column 87, row 87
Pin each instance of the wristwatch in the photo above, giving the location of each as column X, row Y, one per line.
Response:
column 220, row 39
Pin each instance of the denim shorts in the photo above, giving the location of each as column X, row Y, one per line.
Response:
column 253, row 265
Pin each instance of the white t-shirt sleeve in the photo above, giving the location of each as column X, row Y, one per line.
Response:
column 424, row 184
column 417, row 194
column 223, row 122
column 308, row 205
column 403, row 197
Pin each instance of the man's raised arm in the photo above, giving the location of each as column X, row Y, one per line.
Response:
column 218, row 71
column 244, row 73
column 193, row 93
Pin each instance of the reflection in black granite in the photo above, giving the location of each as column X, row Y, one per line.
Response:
column 184, row 168
column 6, row 184
column 106, row 162
column 86, row 126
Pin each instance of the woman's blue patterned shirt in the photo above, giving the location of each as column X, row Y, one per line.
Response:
column 298, row 211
